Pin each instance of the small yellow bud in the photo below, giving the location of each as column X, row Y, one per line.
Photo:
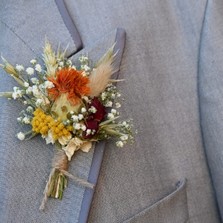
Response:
column 64, row 131
column 57, row 130
column 70, row 128
column 61, row 126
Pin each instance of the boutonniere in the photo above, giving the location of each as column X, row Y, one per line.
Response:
column 70, row 105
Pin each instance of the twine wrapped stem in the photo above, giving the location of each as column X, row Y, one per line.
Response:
column 57, row 181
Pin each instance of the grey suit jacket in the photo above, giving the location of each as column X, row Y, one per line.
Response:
column 173, row 49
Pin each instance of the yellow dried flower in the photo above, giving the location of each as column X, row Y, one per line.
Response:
column 42, row 123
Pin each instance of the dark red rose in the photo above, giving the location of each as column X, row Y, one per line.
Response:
column 100, row 113
column 94, row 119
column 93, row 125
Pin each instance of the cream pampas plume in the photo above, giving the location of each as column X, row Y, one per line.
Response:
column 100, row 76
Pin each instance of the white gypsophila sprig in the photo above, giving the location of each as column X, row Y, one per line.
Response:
column 85, row 65
column 83, row 110
column 34, row 80
column 21, row 136
column 42, row 101
column 36, row 95
column 86, row 99
column 121, row 130
column 26, row 120
column 114, row 111
column 92, row 109
column 124, row 137
column 48, row 84
column 38, row 68
column 109, row 104
column 33, row 61
column 75, row 118
column 64, row 63
column 29, row 90
column 19, row 119
column 30, row 109
column 61, row 64
column 30, row 71
column 80, row 117
column 118, row 105
column 17, row 93
column 110, row 116
column 39, row 102
column 119, row 144
column 66, row 122
column 36, row 91
column 88, row 132
column 83, row 59
column 68, row 63
column 19, row 67
column 110, row 96
column 26, row 84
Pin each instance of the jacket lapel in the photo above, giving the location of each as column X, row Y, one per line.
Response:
column 31, row 22
column 117, row 37
column 25, row 166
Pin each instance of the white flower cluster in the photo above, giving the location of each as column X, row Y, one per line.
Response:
column 124, row 138
column 17, row 93
column 21, row 136
column 30, row 71
column 35, row 67
column 33, row 61
column 38, row 91
column 38, row 68
column 114, row 113
column 84, row 59
column 19, row 67
column 26, row 116
column 90, row 132
column 109, row 97
column 126, row 128
column 34, row 80
column 48, row 84
column 86, row 68
column 85, row 65
column 86, row 99
column 78, row 121
column 65, row 63
column 92, row 109
column 31, row 84
column 121, row 130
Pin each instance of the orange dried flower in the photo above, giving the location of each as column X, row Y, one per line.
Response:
column 69, row 81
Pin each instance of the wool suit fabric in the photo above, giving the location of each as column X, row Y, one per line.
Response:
column 169, row 92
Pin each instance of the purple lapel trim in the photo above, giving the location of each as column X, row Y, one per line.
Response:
column 99, row 149
column 69, row 24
